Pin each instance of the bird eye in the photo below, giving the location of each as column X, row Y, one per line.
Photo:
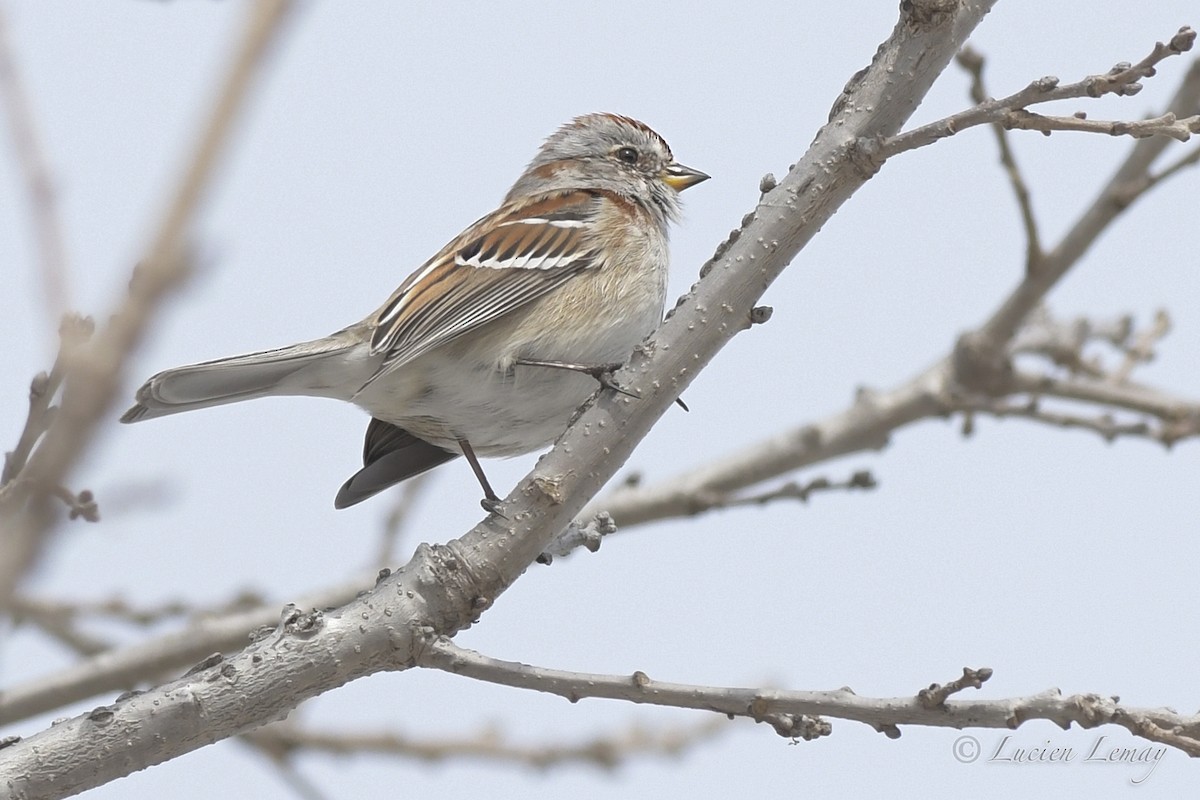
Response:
column 627, row 155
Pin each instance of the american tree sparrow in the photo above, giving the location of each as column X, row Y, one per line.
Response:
column 487, row 349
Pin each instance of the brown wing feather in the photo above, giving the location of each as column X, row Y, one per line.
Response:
column 500, row 263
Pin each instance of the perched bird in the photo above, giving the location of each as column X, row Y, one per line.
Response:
column 488, row 347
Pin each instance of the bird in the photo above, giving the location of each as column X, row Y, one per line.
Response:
column 488, row 348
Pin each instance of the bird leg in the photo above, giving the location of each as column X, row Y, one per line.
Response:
column 490, row 502
column 603, row 373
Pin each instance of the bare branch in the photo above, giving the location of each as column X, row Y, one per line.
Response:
column 1142, row 349
column 864, row 426
column 120, row 610
column 1104, row 425
column 407, row 495
column 43, row 202
column 125, row 668
column 929, row 708
column 981, row 362
column 1121, row 80
column 1166, row 125
column 973, row 63
column 1063, row 342
column 93, row 377
column 576, row 534
column 72, row 334
column 1189, row 160
column 589, row 535
column 446, row 587
column 1129, row 396
column 283, row 740
column 1129, row 183
column 57, row 622
column 936, row 694
column 792, row 490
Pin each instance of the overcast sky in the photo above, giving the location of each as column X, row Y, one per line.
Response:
column 382, row 130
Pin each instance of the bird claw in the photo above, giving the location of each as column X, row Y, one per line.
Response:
column 606, row 379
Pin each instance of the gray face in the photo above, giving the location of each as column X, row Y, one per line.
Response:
column 605, row 151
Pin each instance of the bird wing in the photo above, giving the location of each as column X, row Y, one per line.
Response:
column 507, row 259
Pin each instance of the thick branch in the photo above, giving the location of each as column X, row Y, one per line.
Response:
column 868, row 424
column 129, row 667
column 445, row 587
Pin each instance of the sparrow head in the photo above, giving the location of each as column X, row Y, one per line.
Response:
column 614, row 153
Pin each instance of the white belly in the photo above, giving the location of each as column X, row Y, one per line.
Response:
column 468, row 390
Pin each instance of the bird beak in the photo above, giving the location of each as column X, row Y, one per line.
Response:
column 679, row 177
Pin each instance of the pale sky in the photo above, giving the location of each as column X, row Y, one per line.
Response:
column 382, row 130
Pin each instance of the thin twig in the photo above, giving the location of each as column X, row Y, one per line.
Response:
column 282, row 741
column 401, row 512
column 1127, row 395
column 1166, row 125
column 43, row 200
column 57, row 622
column 936, row 694
column 1142, row 349
column 93, row 379
column 590, row 535
column 869, row 422
column 973, row 62
column 73, row 333
column 1121, row 80
column 120, row 610
column 1105, row 425
column 792, row 490
column 1064, row 343
column 1190, row 159
column 884, row 714
column 280, row 758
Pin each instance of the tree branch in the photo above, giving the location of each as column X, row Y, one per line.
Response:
column 973, row 63
column 1165, row 125
column 981, row 362
column 443, row 588
column 930, row 707
column 43, row 200
column 93, row 377
column 284, row 740
column 1121, row 80
column 126, row 668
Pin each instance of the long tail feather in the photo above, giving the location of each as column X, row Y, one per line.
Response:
column 327, row 367
column 390, row 455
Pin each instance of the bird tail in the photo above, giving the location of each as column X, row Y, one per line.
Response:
column 334, row 366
